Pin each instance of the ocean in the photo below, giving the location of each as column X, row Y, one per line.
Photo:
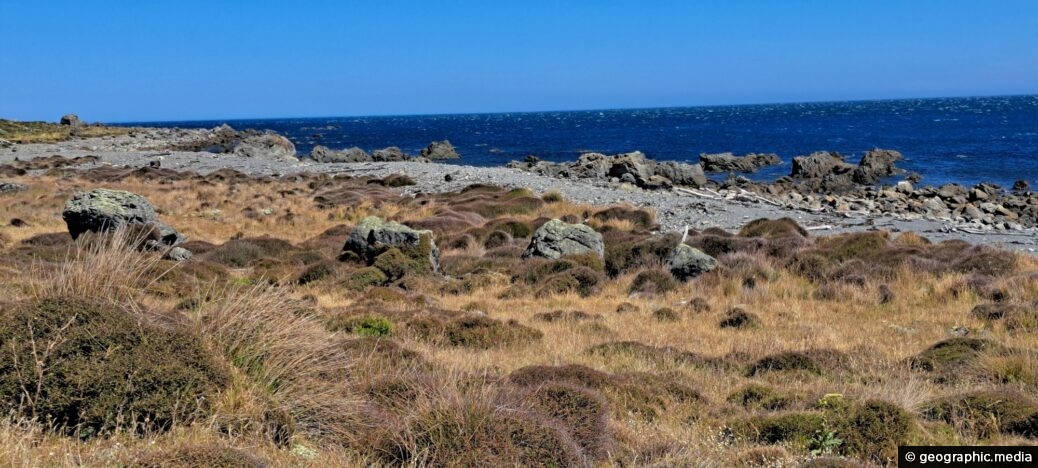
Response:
column 964, row 140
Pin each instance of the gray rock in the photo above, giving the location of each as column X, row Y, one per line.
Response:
column 1021, row 186
column 819, row 164
column 556, row 239
column 373, row 236
column 11, row 187
column 267, row 145
column 103, row 210
column 440, row 150
column 391, row 153
column 178, row 254
column 687, row 262
column 71, row 120
column 690, row 175
column 324, row 155
column 728, row 162
column 875, row 165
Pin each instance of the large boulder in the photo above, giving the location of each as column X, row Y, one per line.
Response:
column 266, row 145
column 875, row 165
column 728, row 162
column 440, row 150
column 325, row 155
column 391, row 153
column 102, row 210
column 556, row 239
column 632, row 168
column 71, row 120
column 687, row 262
column 374, row 236
column 690, row 175
column 819, row 164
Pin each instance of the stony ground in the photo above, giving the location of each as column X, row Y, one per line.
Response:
column 674, row 209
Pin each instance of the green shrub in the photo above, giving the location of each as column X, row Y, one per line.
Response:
column 873, row 430
column 373, row 326
column 625, row 252
column 513, row 227
column 581, row 280
column 666, row 314
column 641, row 219
column 553, row 196
column 952, row 354
column 104, row 369
column 394, row 264
column 796, row 428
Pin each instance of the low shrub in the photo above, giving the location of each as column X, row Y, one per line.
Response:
column 583, row 412
column 565, row 316
column 553, row 196
column 581, row 280
column 666, row 314
column 198, row 455
column 796, row 428
column 626, row 252
column 772, row 228
column 754, row 396
column 627, row 308
column 160, row 374
column 318, row 271
column 364, row 278
column 785, row 361
column 983, row 414
column 640, row 219
column 653, row 282
column 952, row 354
column 738, row 318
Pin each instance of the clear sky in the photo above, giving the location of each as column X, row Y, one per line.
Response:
column 181, row 60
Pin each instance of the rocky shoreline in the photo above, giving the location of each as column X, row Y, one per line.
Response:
column 823, row 191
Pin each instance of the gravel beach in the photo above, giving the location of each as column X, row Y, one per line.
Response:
column 675, row 209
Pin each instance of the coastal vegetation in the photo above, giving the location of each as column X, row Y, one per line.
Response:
column 289, row 338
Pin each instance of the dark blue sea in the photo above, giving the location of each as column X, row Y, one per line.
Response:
column 965, row 140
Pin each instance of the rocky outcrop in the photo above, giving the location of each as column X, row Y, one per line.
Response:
column 438, row 150
column 556, row 239
column 71, row 120
column 633, row 168
column 247, row 143
column 103, row 210
column 875, row 165
column 820, row 164
column 687, row 262
column 324, row 155
column 728, row 162
column 374, row 236
column 389, row 154
column 267, row 145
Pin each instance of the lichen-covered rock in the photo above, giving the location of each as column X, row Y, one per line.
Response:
column 373, row 236
column 556, row 239
column 440, row 150
column 690, row 175
column 103, row 210
column 324, row 155
column 687, row 262
column 11, row 187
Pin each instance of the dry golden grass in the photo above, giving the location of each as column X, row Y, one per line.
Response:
column 285, row 362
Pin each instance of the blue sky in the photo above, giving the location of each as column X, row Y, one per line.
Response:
column 143, row 60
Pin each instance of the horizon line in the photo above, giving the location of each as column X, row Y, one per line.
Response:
column 613, row 109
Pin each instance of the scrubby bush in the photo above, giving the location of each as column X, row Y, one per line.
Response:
column 736, row 317
column 772, row 228
column 395, row 264
column 513, row 227
column 625, row 252
column 653, row 282
column 318, row 271
column 367, row 325
column 785, row 361
column 627, row 308
column 873, row 430
column 87, row 367
column 480, row 434
column 552, row 196
column 640, row 219
column 363, row 278
column 754, row 396
column 581, row 280
column 953, row 353
column 565, row 316
column 666, row 314
column 583, row 412
column 983, row 414
column 199, row 455
column 796, row 428
column 497, row 239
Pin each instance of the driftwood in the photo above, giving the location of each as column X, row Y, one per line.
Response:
column 697, row 193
